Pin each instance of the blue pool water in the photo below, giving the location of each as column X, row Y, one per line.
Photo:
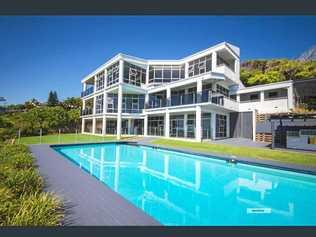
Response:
column 180, row 189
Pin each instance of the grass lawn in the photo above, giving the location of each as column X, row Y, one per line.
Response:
column 64, row 138
column 300, row 158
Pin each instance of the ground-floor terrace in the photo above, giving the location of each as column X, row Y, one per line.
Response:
column 194, row 122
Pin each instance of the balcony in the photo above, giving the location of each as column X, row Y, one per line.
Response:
column 224, row 69
column 132, row 111
column 87, row 91
column 184, row 99
column 86, row 111
column 156, row 102
column 194, row 98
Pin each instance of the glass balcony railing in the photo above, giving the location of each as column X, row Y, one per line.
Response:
column 206, row 96
column 87, row 91
column 86, row 111
column 183, row 99
column 155, row 102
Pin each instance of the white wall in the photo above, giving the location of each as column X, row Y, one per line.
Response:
column 266, row 106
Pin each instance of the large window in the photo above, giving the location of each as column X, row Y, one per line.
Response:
column 156, row 126
column 133, row 74
column 113, row 74
column 165, row 73
column 112, row 103
column 222, row 90
column 221, row 122
column 200, row 65
column 177, row 126
column 133, row 103
column 191, row 126
column 99, row 104
column 100, row 81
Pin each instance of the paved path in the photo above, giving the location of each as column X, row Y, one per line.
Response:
column 88, row 201
column 241, row 142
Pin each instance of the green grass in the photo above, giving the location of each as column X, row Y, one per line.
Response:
column 299, row 158
column 23, row 201
column 64, row 138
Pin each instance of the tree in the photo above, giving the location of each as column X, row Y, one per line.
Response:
column 72, row 103
column 31, row 104
column 52, row 99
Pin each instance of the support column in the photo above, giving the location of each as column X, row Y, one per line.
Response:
column 147, row 75
column 146, row 100
column 104, row 125
column 119, row 112
column 95, row 84
column 82, row 125
column 83, row 104
column 167, row 124
column 214, row 61
column 105, row 78
column 261, row 96
column 168, row 96
column 120, row 100
column 105, row 102
column 290, row 97
column 199, row 88
column 198, row 123
column 238, row 98
column 94, row 104
column 129, row 126
column 186, row 70
column 93, row 125
column 185, row 121
column 146, row 125
column 213, row 126
column 84, row 86
column 227, row 125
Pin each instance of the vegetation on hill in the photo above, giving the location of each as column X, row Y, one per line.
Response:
column 258, row 72
column 23, row 201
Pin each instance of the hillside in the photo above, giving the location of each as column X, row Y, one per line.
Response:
column 257, row 72
column 309, row 54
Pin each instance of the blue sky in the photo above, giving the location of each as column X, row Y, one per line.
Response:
column 38, row 54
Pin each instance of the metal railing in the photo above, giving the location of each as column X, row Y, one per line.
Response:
column 88, row 91
column 86, row 111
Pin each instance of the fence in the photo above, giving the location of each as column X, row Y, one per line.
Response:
column 60, row 137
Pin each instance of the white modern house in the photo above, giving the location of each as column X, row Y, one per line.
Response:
column 196, row 97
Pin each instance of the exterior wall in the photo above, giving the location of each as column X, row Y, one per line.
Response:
column 226, row 75
column 269, row 106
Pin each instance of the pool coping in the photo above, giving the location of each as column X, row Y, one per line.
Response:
column 238, row 159
column 81, row 192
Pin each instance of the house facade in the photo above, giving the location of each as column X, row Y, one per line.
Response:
column 190, row 98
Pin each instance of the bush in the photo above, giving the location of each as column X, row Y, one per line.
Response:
column 23, row 201
column 38, row 209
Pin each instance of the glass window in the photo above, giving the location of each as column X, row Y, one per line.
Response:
column 99, row 104
column 254, row 97
column 200, row 65
column 222, row 90
column 112, row 103
column 100, row 81
column 133, row 74
column 221, row 125
column 156, row 126
column 113, row 74
column 165, row 73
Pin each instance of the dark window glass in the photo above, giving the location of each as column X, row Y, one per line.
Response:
column 254, row 97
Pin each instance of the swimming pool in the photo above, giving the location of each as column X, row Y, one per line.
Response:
column 178, row 188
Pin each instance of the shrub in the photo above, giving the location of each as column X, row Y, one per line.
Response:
column 38, row 209
column 22, row 200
